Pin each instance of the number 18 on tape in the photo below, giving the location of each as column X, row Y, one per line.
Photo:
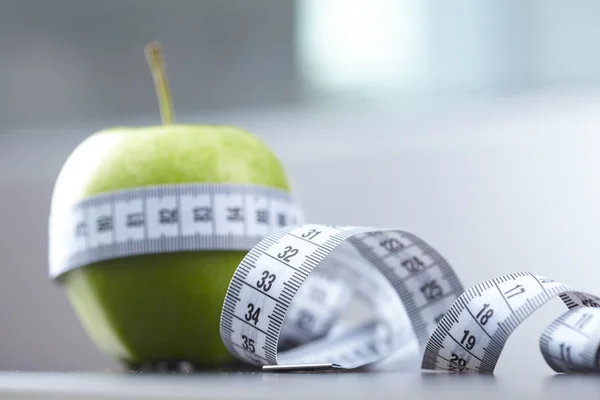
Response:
column 287, row 306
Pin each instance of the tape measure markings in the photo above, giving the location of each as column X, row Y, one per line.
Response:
column 579, row 348
column 414, row 312
column 287, row 289
column 397, row 247
column 457, row 330
column 302, row 272
column 469, row 336
column 495, row 348
column 556, row 362
column 166, row 218
column 490, row 301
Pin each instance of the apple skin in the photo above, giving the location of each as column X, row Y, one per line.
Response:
column 160, row 307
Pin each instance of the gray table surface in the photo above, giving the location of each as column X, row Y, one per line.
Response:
column 425, row 385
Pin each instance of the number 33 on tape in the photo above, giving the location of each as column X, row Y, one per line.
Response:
column 284, row 308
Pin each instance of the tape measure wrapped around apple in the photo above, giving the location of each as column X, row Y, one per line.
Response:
column 148, row 224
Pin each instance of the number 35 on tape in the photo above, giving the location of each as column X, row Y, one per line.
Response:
column 284, row 308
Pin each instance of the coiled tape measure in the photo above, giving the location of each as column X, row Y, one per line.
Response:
column 293, row 302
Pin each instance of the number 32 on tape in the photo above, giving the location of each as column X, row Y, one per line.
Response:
column 284, row 306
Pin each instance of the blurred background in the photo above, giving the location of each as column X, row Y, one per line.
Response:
column 473, row 123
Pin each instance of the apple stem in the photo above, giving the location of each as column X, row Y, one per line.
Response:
column 157, row 67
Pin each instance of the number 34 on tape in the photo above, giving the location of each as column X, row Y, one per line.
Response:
column 283, row 308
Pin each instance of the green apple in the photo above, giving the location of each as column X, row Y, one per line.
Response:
column 160, row 307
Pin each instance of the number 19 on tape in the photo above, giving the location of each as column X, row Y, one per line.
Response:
column 284, row 308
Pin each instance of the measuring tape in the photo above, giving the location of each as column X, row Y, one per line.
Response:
column 473, row 332
column 406, row 285
column 313, row 297
column 454, row 330
column 166, row 218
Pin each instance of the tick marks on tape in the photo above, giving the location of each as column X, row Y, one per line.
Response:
column 414, row 273
column 271, row 315
column 470, row 335
column 473, row 332
column 166, row 218
column 169, row 215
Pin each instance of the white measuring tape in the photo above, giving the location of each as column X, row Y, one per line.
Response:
column 404, row 283
column 314, row 297
column 472, row 334
column 456, row 330
column 166, row 218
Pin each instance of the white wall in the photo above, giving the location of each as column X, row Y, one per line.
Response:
column 497, row 186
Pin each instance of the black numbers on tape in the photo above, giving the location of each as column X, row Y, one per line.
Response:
column 310, row 234
column 202, row 214
column 266, row 281
column 469, row 339
column 391, row 244
column 248, row 344
column 457, row 363
column 104, row 223
column 432, row 290
column 235, row 214
column 287, row 254
column 413, row 264
column 482, row 317
column 460, row 361
column 517, row 290
column 281, row 219
column 252, row 314
column 262, row 216
column 168, row 216
column 590, row 303
column 565, row 353
column 135, row 220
